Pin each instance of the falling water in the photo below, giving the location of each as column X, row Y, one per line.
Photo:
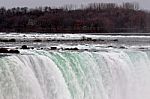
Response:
column 76, row 75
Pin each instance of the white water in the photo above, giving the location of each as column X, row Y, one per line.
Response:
column 76, row 75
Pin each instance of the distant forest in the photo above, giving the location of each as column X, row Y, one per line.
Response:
column 92, row 18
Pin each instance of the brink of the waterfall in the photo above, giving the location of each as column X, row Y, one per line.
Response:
column 84, row 67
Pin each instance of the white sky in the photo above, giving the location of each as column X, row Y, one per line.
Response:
column 144, row 4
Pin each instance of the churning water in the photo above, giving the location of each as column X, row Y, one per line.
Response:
column 76, row 75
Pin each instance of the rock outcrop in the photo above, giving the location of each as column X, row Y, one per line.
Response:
column 6, row 50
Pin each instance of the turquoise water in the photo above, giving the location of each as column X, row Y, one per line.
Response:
column 76, row 75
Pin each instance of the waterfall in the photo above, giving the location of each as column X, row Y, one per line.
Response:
column 76, row 75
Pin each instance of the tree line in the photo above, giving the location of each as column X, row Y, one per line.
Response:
column 92, row 18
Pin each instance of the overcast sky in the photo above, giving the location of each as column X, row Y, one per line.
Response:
column 144, row 4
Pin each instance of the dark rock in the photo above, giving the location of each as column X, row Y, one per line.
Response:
column 89, row 39
column 122, row 47
column 53, row 48
column 12, row 40
column 110, row 46
column 115, row 40
column 31, row 47
column 75, row 48
column 5, row 50
column 24, row 36
column 24, row 47
column 6, row 40
column 143, row 48
column 101, row 40
column 71, row 48
column 3, row 40
column 14, row 51
column 37, row 40
column 83, row 38
column 94, row 40
column 86, row 49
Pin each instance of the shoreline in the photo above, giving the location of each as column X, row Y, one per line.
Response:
column 94, row 33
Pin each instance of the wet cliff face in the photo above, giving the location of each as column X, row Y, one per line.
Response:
column 75, row 75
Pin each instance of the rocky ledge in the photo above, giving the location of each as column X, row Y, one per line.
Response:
column 7, row 50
